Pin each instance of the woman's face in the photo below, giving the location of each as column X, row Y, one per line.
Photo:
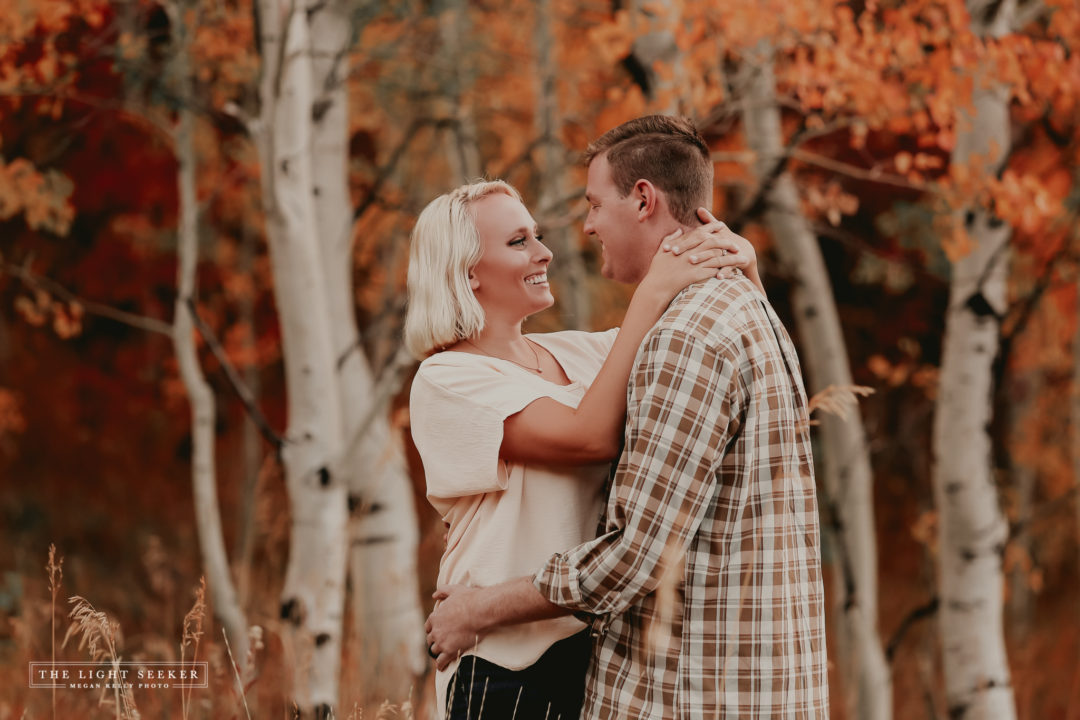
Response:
column 510, row 279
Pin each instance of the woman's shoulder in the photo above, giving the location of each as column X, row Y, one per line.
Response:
column 450, row 358
column 459, row 373
column 577, row 342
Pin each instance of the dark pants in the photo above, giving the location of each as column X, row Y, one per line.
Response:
column 551, row 688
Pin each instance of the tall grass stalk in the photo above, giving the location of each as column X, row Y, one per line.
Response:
column 236, row 672
column 56, row 576
column 193, row 623
column 100, row 636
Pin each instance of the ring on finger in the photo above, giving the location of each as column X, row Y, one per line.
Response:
column 431, row 652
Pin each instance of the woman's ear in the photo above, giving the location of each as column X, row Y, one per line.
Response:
column 473, row 282
column 645, row 193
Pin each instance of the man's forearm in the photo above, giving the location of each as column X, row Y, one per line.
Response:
column 513, row 602
column 463, row 615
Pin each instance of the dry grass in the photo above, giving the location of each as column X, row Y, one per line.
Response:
column 192, row 634
column 839, row 400
column 88, row 632
column 32, row 633
column 101, row 637
column 55, row 568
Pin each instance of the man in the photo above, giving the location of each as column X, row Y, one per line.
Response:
column 704, row 587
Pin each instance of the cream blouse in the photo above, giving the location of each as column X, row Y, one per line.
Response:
column 506, row 519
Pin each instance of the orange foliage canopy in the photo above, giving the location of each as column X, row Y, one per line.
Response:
column 872, row 95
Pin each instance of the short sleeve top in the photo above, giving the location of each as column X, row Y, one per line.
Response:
column 505, row 518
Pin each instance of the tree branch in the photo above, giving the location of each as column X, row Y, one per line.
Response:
column 521, row 157
column 235, row 380
column 386, row 170
column 854, row 171
column 758, row 202
column 1018, row 314
column 141, row 322
column 1029, row 13
column 386, row 386
column 920, row 613
column 1045, row 511
column 154, row 325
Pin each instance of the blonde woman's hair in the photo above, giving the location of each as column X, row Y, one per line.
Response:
column 442, row 309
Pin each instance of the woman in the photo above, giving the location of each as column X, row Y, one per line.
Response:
column 516, row 431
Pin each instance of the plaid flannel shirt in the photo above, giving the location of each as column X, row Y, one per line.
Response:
column 704, row 586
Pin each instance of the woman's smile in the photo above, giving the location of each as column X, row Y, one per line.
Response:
column 512, row 255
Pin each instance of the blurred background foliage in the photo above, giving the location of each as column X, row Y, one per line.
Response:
column 871, row 100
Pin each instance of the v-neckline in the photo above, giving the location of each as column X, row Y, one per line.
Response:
column 562, row 367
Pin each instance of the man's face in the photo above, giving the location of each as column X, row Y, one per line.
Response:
column 617, row 223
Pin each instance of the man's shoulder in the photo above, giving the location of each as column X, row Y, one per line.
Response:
column 716, row 311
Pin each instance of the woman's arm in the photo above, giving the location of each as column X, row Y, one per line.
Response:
column 725, row 237
column 548, row 431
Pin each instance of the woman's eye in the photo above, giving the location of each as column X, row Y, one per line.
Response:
column 539, row 237
column 519, row 241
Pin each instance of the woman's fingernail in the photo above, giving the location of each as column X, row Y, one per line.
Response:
column 675, row 249
column 693, row 258
column 666, row 247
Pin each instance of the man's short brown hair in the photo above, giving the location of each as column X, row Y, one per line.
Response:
column 667, row 151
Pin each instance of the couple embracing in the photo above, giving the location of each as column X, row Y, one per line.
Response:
column 684, row 432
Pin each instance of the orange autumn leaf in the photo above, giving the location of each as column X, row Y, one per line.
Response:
column 11, row 417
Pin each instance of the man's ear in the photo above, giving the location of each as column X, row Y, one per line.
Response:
column 647, row 198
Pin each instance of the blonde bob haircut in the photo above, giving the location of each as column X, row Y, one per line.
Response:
column 442, row 309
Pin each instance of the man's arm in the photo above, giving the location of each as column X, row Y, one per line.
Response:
column 685, row 407
column 681, row 421
column 463, row 615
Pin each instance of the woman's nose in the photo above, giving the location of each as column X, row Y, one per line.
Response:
column 544, row 254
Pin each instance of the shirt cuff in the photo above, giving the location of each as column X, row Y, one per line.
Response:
column 559, row 581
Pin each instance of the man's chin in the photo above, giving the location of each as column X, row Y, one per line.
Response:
column 620, row 275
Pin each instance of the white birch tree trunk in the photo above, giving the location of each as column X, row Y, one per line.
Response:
column 388, row 636
column 200, row 396
column 847, row 476
column 314, row 593
column 654, row 45
column 973, row 530
column 460, row 137
column 251, row 444
column 567, row 267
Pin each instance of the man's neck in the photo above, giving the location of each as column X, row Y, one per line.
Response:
column 650, row 248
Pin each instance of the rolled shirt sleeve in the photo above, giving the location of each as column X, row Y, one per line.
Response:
column 683, row 409
column 457, row 413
